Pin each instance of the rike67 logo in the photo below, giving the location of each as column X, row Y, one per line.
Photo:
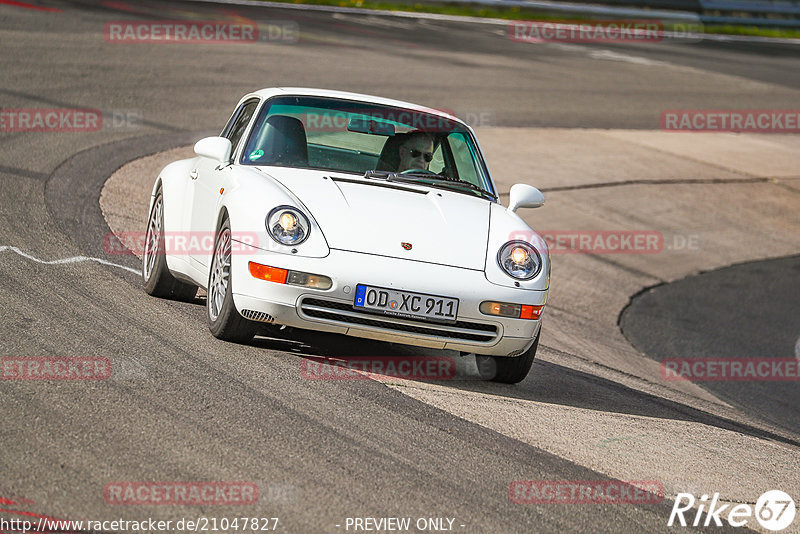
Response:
column 774, row 510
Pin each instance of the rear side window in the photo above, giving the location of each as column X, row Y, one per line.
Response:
column 464, row 158
column 238, row 123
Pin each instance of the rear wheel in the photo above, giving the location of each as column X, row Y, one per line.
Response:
column 508, row 370
column 158, row 281
column 223, row 320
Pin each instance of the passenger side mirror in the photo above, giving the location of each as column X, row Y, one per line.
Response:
column 216, row 148
column 524, row 196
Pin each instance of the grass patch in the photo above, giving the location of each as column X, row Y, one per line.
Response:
column 729, row 29
column 462, row 10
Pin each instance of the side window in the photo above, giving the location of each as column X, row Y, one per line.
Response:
column 239, row 122
column 464, row 158
column 437, row 163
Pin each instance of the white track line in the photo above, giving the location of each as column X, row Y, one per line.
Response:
column 74, row 259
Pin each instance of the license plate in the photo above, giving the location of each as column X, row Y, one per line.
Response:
column 406, row 304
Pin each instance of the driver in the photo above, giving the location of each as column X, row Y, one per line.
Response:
column 416, row 152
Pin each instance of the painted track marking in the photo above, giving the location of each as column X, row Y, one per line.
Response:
column 73, row 259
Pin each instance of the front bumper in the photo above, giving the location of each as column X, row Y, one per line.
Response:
column 332, row 311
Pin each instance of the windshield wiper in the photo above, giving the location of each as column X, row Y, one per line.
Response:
column 381, row 175
column 450, row 179
column 413, row 178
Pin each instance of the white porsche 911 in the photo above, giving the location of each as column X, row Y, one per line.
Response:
column 356, row 215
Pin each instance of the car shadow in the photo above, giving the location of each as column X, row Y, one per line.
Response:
column 556, row 384
column 547, row 382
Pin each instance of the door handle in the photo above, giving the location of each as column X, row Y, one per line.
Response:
column 193, row 174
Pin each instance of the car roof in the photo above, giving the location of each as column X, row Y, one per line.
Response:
column 307, row 91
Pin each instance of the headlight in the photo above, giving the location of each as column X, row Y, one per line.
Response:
column 288, row 225
column 519, row 260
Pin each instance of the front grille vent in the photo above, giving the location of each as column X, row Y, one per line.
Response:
column 344, row 313
column 261, row 317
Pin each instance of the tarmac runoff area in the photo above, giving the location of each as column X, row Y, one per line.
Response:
column 715, row 199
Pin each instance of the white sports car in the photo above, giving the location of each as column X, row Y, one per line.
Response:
column 351, row 214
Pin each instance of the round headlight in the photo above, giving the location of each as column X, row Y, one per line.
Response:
column 519, row 260
column 288, row 225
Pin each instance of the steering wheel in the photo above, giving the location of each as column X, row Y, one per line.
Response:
column 425, row 171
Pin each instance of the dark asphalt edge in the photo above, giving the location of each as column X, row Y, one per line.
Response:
column 691, row 275
column 72, row 192
column 72, row 195
column 773, row 433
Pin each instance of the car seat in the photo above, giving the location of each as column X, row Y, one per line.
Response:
column 283, row 140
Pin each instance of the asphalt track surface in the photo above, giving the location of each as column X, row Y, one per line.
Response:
column 750, row 320
column 188, row 407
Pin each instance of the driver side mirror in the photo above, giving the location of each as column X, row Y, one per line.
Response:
column 524, row 196
column 216, row 148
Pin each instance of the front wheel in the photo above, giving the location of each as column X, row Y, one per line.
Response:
column 158, row 281
column 508, row 370
column 224, row 320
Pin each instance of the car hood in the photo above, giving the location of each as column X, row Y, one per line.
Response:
column 392, row 219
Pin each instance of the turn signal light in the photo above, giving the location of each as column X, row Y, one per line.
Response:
column 294, row 278
column 270, row 274
column 516, row 311
column 531, row 312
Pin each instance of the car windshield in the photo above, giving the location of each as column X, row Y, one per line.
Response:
column 356, row 137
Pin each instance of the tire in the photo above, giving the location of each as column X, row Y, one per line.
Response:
column 224, row 320
column 157, row 279
column 508, row 370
